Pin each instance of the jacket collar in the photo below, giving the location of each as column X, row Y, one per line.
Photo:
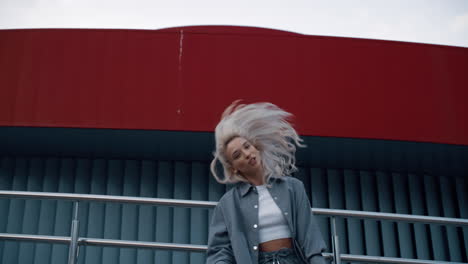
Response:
column 245, row 187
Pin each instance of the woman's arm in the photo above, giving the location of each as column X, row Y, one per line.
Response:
column 308, row 233
column 219, row 245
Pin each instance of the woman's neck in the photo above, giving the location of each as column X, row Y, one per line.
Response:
column 256, row 178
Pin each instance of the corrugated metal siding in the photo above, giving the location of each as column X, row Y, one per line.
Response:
column 380, row 191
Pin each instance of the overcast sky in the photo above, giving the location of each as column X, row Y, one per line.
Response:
column 442, row 22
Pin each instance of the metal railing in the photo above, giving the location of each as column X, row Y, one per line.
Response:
column 75, row 241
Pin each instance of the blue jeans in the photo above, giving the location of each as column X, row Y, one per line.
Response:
column 282, row 256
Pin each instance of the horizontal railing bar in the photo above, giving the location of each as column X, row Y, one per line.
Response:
column 104, row 242
column 374, row 259
column 107, row 198
column 327, row 255
column 37, row 238
column 141, row 244
column 392, row 217
column 197, row 248
column 209, row 204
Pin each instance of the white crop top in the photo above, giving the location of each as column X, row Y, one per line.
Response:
column 271, row 222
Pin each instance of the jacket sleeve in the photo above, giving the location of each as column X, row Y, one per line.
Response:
column 219, row 244
column 308, row 233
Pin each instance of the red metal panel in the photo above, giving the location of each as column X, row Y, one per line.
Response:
column 182, row 78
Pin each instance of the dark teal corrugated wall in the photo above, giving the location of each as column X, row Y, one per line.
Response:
column 164, row 179
column 367, row 190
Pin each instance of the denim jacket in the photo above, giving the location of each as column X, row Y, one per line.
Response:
column 233, row 235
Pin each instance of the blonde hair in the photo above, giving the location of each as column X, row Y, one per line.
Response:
column 264, row 125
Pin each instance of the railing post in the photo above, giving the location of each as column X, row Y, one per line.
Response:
column 73, row 249
column 335, row 243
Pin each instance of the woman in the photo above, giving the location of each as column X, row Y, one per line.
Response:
column 266, row 216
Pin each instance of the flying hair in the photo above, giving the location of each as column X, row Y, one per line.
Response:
column 264, row 125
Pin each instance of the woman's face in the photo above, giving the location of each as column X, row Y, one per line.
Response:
column 243, row 156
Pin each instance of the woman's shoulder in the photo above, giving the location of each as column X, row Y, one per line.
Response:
column 227, row 196
column 294, row 182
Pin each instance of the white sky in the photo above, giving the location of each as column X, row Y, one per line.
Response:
column 442, row 22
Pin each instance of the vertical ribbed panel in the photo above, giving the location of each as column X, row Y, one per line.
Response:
column 369, row 200
column 31, row 210
column 353, row 202
column 129, row 229
column 199, row 217
column 6, row 180
column 48, row 209
column 113, row 211
column 418, row 207
column 405, row 241
column 319, row 199
column 181, row 219
column 448, row 193
column 96, row 211
column 380, row 191
column 461, row 186
column 147, row 214
column 164, row 215
column 337, row 201
column 439, row 242
column 16, row 212
column 82, row 185
column 385, row 197
column 63, row 213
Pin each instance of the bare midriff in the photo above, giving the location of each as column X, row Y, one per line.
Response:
column 275, row 245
